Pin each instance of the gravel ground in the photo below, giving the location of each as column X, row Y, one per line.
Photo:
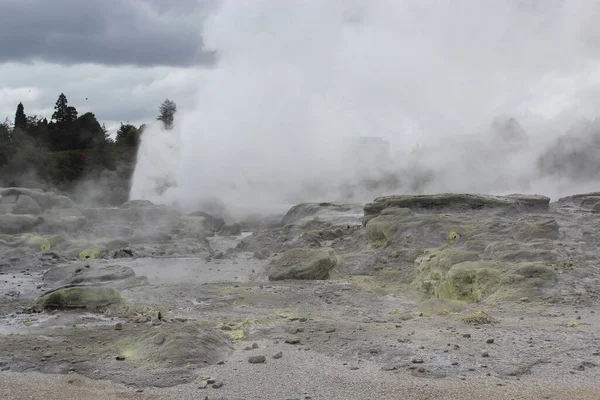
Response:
column 301, row 375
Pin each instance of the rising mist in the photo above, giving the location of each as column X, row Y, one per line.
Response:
column 470, row 95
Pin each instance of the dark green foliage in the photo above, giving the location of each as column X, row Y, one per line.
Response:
column 71, row 154
column 63, row 113
column 20, row 118
column 128, row 135
column 166, row 113
column 5, row 144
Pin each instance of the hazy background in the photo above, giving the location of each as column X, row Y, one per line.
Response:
column 497, row 96
column 440, row 80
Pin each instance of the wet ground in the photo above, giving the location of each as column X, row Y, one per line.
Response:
column 341, row 338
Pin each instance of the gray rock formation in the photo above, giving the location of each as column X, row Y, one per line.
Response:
column 303, row 264
column 18, row 223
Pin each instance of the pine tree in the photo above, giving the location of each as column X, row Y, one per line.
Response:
column 167, row 112
column 21, row 118
column 64, row 114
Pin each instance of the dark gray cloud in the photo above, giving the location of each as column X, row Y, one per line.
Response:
column 108, row 32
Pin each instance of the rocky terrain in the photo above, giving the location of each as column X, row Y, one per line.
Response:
column 426, row 296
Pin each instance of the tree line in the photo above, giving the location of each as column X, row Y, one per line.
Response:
column 69, row 148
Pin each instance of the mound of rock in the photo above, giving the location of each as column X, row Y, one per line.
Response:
column 176, row 344
column 313, row 264
column 450, row 202
column 19, row 223
column 338, row 214
column 91, row 298
column 77, row 274
column 466, row 247
column 28, row 210
column 451, row 273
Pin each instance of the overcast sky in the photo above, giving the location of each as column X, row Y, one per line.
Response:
column 122, row 58
column 116, row 58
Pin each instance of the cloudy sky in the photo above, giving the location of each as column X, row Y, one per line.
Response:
column 440, row 62
column 116, row 58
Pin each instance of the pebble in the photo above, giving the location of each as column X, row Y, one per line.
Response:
column 118, row 326
column 120, row 358
column 417, row 360
column 485, row 354
column 202, row 384
column 217, row 385
column 220, row 362
column 292, row 340
column 467, row 335
column 278, row 355
column 490, row 341
column 257, row 359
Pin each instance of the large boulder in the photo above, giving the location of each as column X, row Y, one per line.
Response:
column 18, row 223
column 233, row 229
column 215, row 223
column 339, row 214
column 454, row 203
column 449, row 273
column 26, row 205
column 45, row 200
column 195, row 227
column 303, row 264
column 92, row 298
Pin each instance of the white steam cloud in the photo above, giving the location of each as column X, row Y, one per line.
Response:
column 439, row 80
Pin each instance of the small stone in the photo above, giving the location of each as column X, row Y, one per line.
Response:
column 417, row 360
column 278, row 355
column 202, row 385
column 220, row 362
column 217, row 385
column 467, row 335
column 139, row 390
column 210, row 381
column 421, row 369
column 120, row 358
column 118, row 326
column 255, row 345
column 485, row 354
column 257, row 359
column 524, row 299
column 490, row 341
column 330, row 330
column 292, row 340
